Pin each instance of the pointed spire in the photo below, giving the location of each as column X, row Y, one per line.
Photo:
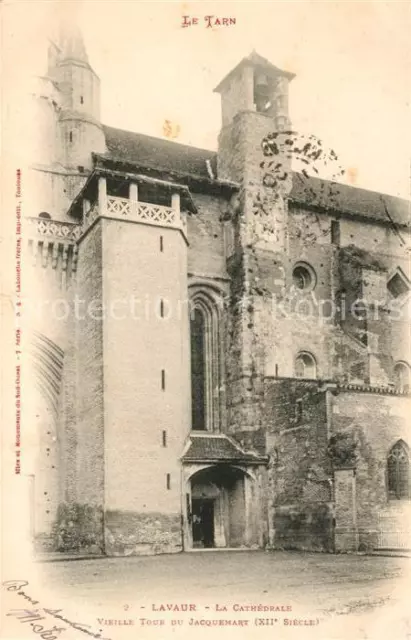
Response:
column 67, row 39
column 71, row 41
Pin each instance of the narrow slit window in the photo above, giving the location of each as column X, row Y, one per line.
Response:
column 161, row 244
column 335, row 232
column 299, row 411
column 168, row 481
column 163, row 379
column 162, row 308
column 164, row 438
column 198, row 371
column 71, row 136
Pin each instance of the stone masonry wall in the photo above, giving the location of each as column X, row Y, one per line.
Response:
column 206, row 255
column 259, row 232
column 377, row 421
column 299, row 490
column 90, row 381
column 128, row 533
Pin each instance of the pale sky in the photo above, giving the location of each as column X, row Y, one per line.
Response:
column 352, row 62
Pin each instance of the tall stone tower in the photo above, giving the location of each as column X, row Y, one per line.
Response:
column 255, row 125
column 132, row 352
column 66, row 109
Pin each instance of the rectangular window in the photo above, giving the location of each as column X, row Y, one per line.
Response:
column 276, row 370
column 335, row 232
column 163, row 379
column 161, row 244
column 168, row 481
column 164, row 438
column 162, row 308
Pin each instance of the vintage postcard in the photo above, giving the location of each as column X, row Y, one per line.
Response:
column 205, row 321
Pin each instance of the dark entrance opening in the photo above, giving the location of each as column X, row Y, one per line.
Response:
column 203, row 522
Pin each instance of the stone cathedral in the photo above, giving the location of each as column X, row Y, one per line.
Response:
column 222, row 356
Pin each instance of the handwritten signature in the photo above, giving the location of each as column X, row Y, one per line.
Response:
column 32, row 617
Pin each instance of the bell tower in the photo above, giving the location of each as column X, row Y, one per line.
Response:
column 254, row 102
column 255, row 85
column 252, row 151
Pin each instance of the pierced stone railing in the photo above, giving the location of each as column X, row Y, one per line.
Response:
column 52, row 244
column 135, row 210
column 54, row 229
column 143, row 211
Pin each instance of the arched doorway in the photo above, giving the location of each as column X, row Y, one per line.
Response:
column 218, row 508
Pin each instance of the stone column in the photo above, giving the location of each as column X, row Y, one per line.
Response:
column 219, row 533
column 248, row 511
column 346, row 531
column 186, row 503
column 102, row 196
column 175, row 204
column 133, row 191
column 133, row 197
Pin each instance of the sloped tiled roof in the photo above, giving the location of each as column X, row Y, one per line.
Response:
column 160, row 154
column 217, row 448
column 352, row 200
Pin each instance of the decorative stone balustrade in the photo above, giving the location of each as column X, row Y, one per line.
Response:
column 63, row 231
column 125, row 208
column 143, row 211
column 52, row 244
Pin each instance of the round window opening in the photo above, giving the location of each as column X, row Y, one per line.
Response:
column 303, row 277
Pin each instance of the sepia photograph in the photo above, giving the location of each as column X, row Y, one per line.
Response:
column 206, row 348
